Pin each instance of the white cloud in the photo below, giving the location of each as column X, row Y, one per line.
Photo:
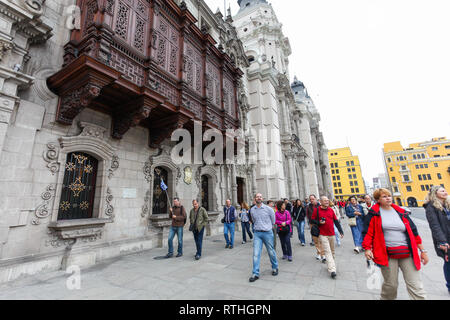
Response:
column 378, row 70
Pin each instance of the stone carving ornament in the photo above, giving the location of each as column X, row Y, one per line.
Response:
column 109, row 208
column 43, row 210
column 51, row 156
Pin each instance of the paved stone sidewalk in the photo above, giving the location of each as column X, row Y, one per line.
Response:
column 223, row 274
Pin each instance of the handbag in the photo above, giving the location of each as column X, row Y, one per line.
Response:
column 315, row 229
column 352, row 222
column 284, row 229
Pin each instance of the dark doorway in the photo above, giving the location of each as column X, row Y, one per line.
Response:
column 412, row 202
column 240, row 190
column 205, row 193
column 160, row 202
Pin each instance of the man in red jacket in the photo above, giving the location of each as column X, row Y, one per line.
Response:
column 327, row 220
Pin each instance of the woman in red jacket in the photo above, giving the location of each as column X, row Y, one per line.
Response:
column 392, row 241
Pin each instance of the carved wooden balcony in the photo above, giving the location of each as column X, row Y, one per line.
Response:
column 145, row 62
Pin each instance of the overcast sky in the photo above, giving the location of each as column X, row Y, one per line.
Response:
column 378, row 70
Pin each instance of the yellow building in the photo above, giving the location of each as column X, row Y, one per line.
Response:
column 414, row 170
column 346, row 174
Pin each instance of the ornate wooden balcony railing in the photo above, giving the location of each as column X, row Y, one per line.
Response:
column 145, row 62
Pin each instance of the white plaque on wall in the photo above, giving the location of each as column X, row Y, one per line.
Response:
column 129, row 193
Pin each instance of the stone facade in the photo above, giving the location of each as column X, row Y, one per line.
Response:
column 38, row 136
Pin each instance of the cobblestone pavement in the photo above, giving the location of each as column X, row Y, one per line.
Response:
column 223, row 274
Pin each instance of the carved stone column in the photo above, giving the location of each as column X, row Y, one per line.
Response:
column 293, row 192
column 233, row 185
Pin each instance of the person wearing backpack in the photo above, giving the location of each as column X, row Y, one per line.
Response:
column 283, row 221
column 178, row 216
column 198, row 218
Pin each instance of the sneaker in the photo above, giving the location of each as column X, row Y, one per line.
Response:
column 333, row 275
column 179, row 255
column 303, row 244
column 169, row 255
column 227, row 246
column 324, row 260
column 243, row 242
column 197, row 257
column 253, row 278
column 356, row 250
column 312, row 244
column 231, row 247
column 275, row 272
column 290, row 259
column 284, row 257
column 318, row 257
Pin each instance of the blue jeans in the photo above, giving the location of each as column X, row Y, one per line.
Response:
column 198, row 238
column 447, row 273
column 357, row 232
column 301, row 231
column 229, row 228
column 179, row 232
column 245, row 230
column 267, row 239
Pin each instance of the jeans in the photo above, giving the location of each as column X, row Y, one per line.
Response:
column 229, row 228
column 301, row 231
column 245, row 230
column 447, row 273
column 285, row 240
column 198, row 238
column 267, row 239
column 357, row 232
column 338, row 236
column 179, row 232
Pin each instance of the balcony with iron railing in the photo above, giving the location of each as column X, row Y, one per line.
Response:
column 146, row 63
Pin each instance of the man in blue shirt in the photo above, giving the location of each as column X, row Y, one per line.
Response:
column 263, row 218
column 229, row 225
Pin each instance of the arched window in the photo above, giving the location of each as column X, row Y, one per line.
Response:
column 160, row 201
column 78, row 189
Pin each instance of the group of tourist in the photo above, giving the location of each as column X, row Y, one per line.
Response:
column 384, row 231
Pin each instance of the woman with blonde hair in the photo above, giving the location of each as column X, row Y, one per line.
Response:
column 392, row 241
column 437, row 206
column 245, row 222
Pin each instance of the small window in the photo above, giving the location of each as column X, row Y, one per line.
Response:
column 422, row 187
column 447, row 147
column 347, row 163
column 392, row 169
column 332, row 171
column 339, row 178
column 334, row 178
column 417, row 166
column 434, row 148
column 354, row 176
column 353, row 170
column 436, row 165
column 336, row 165
column 426, row 166
column 395, row 189
column 420, row 177
column 332, row 165
column 357, row 190
column 393, row 179
column 406, row 178
column 439, row 176
column 349, row 170
column 429, row 176
column 349, row 176
column 408, row 189
column 356, row 183
column 351, row 183
column 389, row 160
column 337, row 171
column 353, row 190
column 414, row 157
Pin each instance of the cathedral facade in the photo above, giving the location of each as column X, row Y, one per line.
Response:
column 91, row 93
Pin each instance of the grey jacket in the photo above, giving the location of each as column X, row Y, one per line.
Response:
column 439, row 226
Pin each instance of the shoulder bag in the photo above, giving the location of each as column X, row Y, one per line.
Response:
column 284, row 229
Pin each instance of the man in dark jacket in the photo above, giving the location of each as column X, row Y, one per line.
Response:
column 178, row 216
column 313, row 205
column 230, row 215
